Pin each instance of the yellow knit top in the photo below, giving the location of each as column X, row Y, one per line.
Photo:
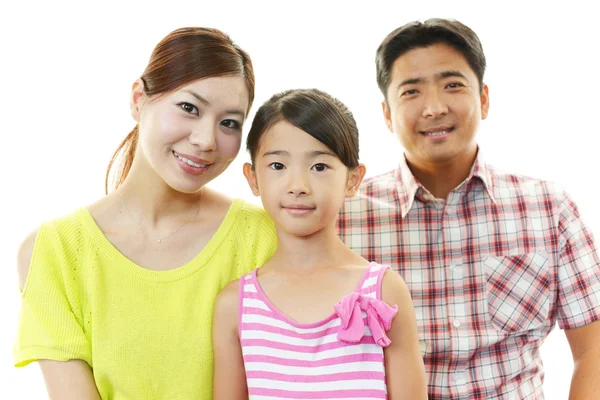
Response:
column 146, row 334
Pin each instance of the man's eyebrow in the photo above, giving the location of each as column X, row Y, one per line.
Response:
column 411, row 81
column 449, row 74
column 441, row 75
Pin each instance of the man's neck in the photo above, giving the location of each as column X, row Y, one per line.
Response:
column 441, row 178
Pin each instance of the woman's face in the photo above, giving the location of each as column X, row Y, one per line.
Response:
column 189, row 136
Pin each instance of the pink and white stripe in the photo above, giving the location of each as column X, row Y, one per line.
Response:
column 288, row 360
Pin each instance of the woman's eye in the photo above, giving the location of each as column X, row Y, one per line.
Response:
column 320, row 167
column 277, row 166
column 231, row 124
column 188, row 108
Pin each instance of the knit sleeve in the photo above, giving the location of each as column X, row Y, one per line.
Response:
column 50, row 323
column 257, row 235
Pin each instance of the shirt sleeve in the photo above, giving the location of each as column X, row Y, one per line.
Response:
column 578, row 271
column 50, row 323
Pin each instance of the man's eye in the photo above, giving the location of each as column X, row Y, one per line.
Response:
column 454, row 85
column 409, row 92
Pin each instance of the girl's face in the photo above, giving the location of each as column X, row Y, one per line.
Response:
column 189, row 136
column 302, row 183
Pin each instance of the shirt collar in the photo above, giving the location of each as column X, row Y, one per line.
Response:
column 408, row 187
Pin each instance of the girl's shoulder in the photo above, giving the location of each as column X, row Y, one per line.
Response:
column 227, row 305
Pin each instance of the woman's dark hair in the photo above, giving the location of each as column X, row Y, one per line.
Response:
column 315, row 112
column 183, row 56
column 417, row 34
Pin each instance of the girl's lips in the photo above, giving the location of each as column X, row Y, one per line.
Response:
column 298, row 209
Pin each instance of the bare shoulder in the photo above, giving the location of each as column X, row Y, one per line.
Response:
column 394, row 289
column 24, row 257
column 229, row 293
column 226, row 305
column 219, row 202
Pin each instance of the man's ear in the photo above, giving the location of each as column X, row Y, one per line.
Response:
column 251, row 178
column 135, row 101
column 485, row 101
column 387, row 115
column 355, row 178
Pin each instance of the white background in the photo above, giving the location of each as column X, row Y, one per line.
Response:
column 67, row 68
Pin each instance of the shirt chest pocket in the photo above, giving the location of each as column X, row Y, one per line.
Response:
column 518, row 291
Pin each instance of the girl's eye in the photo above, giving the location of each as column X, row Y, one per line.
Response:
column 320, row 167
column 188, row 108
column 277, row 166
column 231, row 124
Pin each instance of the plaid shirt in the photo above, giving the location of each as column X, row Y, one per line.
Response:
column 490, row 270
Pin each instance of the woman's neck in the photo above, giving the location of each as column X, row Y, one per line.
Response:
column 149, row 195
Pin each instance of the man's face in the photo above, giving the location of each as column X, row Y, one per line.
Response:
column 434, row 105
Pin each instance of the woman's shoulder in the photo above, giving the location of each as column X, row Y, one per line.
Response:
column 54, row 236
column 247, row 218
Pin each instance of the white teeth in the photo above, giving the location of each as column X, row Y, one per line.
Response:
column 189, row 162
column 436, row 133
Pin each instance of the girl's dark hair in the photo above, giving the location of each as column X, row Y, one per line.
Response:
column 315, row 112
column 183, row 56
column 417, row 34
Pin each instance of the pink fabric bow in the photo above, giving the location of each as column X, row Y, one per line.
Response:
column 379, row 318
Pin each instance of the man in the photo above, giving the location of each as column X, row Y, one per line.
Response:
column 492, row 260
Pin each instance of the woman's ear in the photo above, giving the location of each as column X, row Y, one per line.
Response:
column 355, row 178
column 135, row 102
column 251, row 178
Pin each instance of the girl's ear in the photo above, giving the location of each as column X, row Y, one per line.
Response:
column 251, row 178
column 355, row 178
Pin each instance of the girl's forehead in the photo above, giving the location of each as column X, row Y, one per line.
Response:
column 285, row 135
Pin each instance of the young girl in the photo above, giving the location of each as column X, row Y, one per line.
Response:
column 317, row 321
column 118, row 296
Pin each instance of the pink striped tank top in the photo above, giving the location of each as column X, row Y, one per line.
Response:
column 340, row 357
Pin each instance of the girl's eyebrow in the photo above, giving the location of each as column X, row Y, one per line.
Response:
column 276, row 153
column 309, row 154
column 316, row 153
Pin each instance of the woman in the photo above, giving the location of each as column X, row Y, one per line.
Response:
column 117, row 297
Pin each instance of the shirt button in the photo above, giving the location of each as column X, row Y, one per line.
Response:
column 456, row 323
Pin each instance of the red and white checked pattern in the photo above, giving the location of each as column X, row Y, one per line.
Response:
column 490, row 270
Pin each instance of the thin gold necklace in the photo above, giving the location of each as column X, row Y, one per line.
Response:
column 170, row 234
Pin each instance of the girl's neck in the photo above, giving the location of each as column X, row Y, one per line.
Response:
column 304, row 255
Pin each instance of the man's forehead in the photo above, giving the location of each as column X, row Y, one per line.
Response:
column 432, row 62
